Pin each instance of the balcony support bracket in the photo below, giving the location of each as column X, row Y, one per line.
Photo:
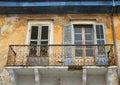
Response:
column 37, row 76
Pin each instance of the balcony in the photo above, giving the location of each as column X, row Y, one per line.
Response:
column 61, row 55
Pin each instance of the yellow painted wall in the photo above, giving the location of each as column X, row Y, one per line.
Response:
column 14, row 29
column 117, row 32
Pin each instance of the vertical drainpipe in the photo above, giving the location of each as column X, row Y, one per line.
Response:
column 114, row 34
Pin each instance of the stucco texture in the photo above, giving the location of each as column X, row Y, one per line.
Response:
column 13, row 29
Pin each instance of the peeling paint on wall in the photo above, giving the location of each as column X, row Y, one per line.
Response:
column 14, row 29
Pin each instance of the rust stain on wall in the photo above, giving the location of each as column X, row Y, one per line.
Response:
column 14, row 29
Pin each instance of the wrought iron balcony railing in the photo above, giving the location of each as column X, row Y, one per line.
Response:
column 61, row 55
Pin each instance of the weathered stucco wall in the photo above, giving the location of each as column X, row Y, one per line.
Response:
column 14, row 29
column 117, row 32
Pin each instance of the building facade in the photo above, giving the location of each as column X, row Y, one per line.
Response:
column 59, row 42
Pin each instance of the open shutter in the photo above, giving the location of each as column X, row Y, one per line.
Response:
column 67, row 50
column 101, row 40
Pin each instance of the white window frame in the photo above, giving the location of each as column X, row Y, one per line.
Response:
column 94, row 23
column 34, row 23
column 86, row 23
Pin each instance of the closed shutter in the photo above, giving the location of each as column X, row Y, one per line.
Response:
column 67, row 34
column 101, row 41
column 67, row 50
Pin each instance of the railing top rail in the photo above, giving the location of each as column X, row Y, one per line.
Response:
column 67, row 45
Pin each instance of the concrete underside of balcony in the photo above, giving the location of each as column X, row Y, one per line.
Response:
column 62, row 75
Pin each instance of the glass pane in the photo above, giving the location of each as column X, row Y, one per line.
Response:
column 98, row 36
column 34, row 32
column 67, row 51
column 33, row 51
column 88, row 30
column 89, row 52
column 89, row 43
column 102, row 36
column 78, row 30
column 101, row 50
column 44, row 33
column 99, row 32
column 78, row 43
column 78, row 52
column 78, row 37
column 43, row 51
column 100, row 41
column 101, row 29
column 88, row 36
column 33, row 42
column 44, row 42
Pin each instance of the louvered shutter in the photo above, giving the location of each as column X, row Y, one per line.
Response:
column 101, row 40
column 67, row 50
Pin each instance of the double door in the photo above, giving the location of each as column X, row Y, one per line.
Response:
column 39, row 37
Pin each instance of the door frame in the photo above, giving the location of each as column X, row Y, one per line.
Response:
column 50, row 37
column 95, row 42
column 86, row 23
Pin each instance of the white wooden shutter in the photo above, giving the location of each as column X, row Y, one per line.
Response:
column 67, row 34
column 101, row 40
column 67, row 50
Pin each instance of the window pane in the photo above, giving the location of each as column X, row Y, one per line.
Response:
column 34, row 32
column 89, row 52
column 78, row 30
column 102, row 36
column 33, row 42
column 98, row 36
column 101, row 50
column 33, row 51
column 100, row 42
column 44, row 42
column 43, row 51
column 88, row 36
column 78, row 37
column 88, row 30
column 78, row 43
column 78, row 52
column 44, row 33
column 101, row 29
column 89, row 43
column 99, row 32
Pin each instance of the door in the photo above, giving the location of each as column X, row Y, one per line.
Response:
column 84, row 36
column 38, row 54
